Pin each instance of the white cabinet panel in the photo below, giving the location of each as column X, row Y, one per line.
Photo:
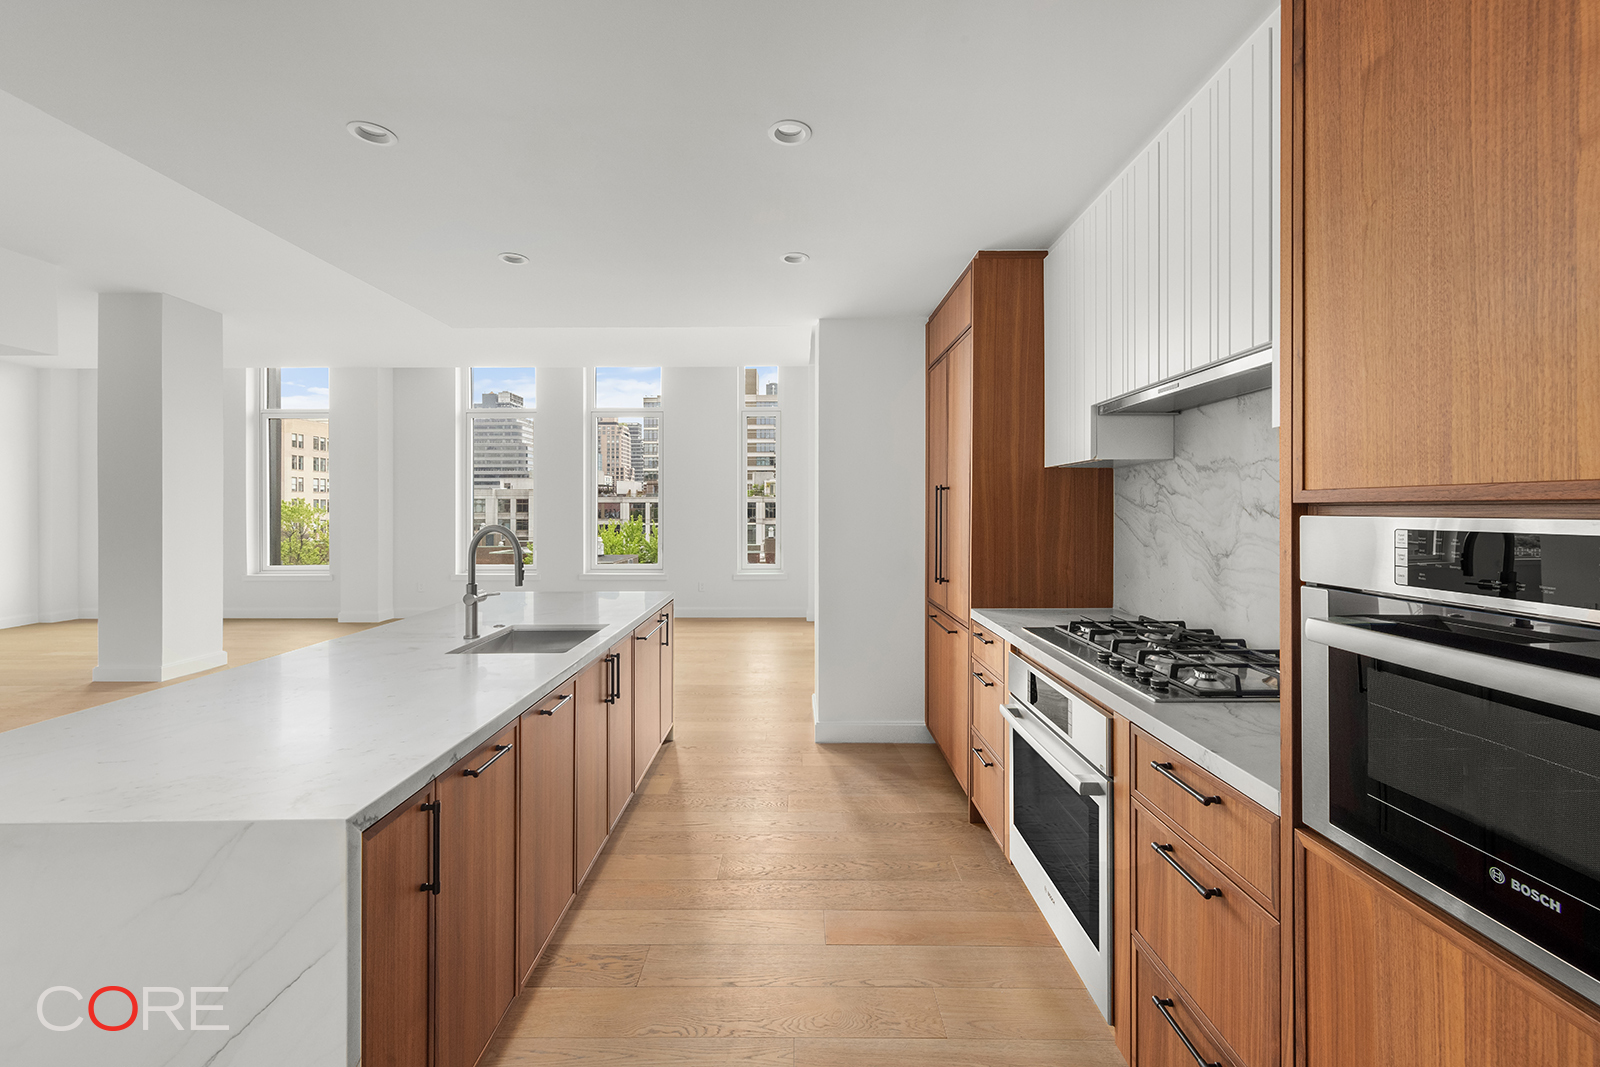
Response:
column 1145, row 230
column 1174, row 248
column 1200, row 222
column 1117, row 287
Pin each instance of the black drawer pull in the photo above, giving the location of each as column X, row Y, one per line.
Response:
column 979, row 635
column 1165, row 852
column 1166, row 771
column 552, row 711
column 500, row 750
column 979, row 676
column 1162, row 1006
column 979, row 753
column 940, row 625
column 433, row 886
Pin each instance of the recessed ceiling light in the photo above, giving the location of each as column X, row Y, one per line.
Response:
column 516, row 259
column 795, row 257
column 789, row 131
column 371, row 132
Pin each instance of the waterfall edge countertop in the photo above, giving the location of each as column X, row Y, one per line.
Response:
column 1238, row 741
column 341, row 730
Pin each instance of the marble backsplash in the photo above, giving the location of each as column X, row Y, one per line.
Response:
column 1197, row 535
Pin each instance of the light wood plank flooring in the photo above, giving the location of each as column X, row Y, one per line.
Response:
column 768, row 900
column 45, row 669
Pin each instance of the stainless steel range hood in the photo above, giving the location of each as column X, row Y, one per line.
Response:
column 1248, row 372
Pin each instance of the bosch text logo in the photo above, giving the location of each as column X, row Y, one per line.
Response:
column 1537, row 897
column 114, row 1007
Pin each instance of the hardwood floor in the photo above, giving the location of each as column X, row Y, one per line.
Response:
column 768, row 900
column 45, row 669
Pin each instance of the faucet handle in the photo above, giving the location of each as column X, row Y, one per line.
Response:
column 477, row 598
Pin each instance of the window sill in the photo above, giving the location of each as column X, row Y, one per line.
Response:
column 759, row 576
column 623, row 575
column 294, row 574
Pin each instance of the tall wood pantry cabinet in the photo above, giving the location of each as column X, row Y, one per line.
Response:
column 1003, row 530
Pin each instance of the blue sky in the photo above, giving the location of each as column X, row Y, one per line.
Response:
column 304, row 387
column 625, row 387
column 519, row 380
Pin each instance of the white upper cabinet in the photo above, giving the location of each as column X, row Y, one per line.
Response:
column 1173, row 267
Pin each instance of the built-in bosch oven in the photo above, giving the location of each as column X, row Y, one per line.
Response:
column 1451, row 697
column 1059, row 788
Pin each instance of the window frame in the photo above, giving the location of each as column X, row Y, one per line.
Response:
column 743, row 568
column 592, row 413
column 261, row 523
column 466, row 414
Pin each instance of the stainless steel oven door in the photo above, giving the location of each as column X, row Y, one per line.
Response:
column 1459, row 768
column 1060, row 836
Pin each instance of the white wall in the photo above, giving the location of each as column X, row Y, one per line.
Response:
column 363, row 520
column 19, row 487
column 871, row 458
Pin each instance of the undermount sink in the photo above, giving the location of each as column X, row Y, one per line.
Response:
column 529, row 639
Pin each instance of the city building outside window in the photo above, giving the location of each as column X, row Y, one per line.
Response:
column 499, row 448
column 293, row 409
column 625, row 453
column 759, row 449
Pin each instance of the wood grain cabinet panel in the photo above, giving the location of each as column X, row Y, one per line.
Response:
column 619, row 732
column 988, row 693
column 988, row 785
column 938, row 471
column 1220, row 945
column 590, row 825
column 545, row 822
column 948, row 716
column 646, row 696
column 990, row 651
column 1157, row 1040
column 951, row 318
column 669, row 613
column 396, row 932
column 475, row 942
column 1451, row 246
column 958, row 532
column 1238, row 834
column 1389, row 981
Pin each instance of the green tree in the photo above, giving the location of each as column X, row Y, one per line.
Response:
column 628, row 539
column 302, row 534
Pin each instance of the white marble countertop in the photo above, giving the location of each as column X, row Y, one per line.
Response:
column 341, row 730
column 1235, row 740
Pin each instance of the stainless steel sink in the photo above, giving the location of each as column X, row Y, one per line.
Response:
column 526, row 640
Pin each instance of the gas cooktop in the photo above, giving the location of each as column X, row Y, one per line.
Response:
column 1165, row 660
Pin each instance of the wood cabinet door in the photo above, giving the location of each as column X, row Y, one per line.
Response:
column 1451, row 249
column 619, row 732
column 396, row 916
column 988, row 693
column 646, row 696
column 1390, row 982
column 958, row 476
column 475, row 948
column 947, row 691
column 590, row 824
column 545, row 851
column 671, row 616
column 938, row 470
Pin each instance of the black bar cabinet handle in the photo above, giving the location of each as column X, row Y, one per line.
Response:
column 499, row 750
column 979, row 753
column 552, row 711
column 666, row 632
column 1165, row 852
column 979, row 676
column 1166, row 771
column 659, row 624
column 433, row 886
column 1162, row 1006
column 979, row 635
column 939, row 624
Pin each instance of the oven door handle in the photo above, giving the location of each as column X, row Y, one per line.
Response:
column 1085, row 785
column 1576, row 691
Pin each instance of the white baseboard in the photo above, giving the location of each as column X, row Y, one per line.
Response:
column 164, row 673
column 862, row 733
column 277, row 613
column 60, row 616
column 8, row 621
column 739, row 613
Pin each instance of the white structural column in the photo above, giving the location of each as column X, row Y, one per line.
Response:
column 871, row 454
column 160, row 488
column 361, row 490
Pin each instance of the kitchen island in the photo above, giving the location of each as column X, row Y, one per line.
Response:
column 208, row 836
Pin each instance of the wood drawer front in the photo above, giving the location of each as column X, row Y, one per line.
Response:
column 1239, row 833
column 952, row 318
column 988, row 786
column 988, row 693
column 990, row 651
column 1156, row 1042
column 1223, row 949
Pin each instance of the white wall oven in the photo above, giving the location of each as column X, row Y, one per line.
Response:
column 1451, row 697
column 1059, row 790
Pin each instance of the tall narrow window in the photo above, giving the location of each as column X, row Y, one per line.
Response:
column 293, row 412
column 498, row 478
column 625, row 452
column 759, row 448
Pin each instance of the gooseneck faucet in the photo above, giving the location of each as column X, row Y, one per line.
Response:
column 473, row 597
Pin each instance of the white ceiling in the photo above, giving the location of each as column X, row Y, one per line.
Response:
column 622, row 146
